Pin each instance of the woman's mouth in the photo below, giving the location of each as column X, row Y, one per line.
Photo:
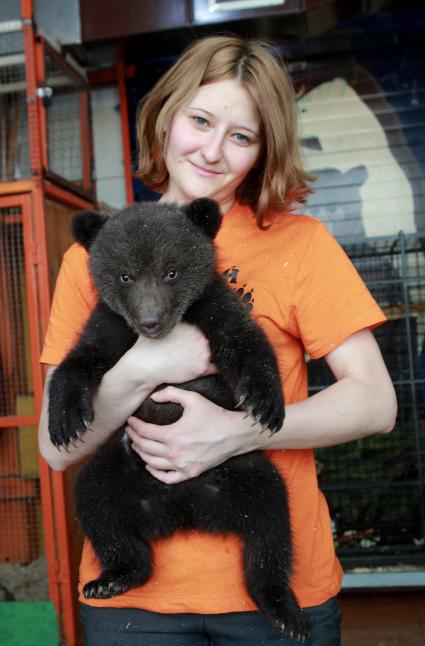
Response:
column 205, row 172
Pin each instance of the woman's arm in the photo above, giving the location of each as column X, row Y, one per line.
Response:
column 361, row 402
column 183, row 355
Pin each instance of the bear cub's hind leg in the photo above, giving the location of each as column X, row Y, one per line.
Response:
column 124, row 570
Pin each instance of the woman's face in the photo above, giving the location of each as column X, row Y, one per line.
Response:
column 211, row 144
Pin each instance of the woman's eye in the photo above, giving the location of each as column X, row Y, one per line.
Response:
column 241, row 139
column 200, row 121
column 171, row 275
column 124, row 278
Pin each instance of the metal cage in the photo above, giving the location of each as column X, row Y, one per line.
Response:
column 45, row 175
column 23, row 572
column 14, row 142
column 375, row 486
column 65, row 98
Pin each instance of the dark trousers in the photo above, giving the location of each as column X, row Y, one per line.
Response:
column 132, row 627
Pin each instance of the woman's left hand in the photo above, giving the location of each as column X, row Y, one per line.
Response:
column 205, row 435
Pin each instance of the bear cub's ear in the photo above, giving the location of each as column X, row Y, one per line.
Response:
column 205, row 213
column 86, row 225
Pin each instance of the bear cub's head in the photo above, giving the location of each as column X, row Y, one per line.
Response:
column 150, row 262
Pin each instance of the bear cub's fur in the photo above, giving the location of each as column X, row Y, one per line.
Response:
column 153, row 265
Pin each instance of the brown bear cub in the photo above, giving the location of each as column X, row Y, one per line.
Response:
column 154, row 265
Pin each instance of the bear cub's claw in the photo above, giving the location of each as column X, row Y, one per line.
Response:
column 297, row 627
column 294, row 624
column 260, row 395
column 69, row 419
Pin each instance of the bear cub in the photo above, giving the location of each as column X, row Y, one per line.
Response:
column 154, row 265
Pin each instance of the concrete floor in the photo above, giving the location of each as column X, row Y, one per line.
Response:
column 383, row 619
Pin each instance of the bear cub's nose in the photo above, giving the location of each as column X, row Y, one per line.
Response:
column 150, row 326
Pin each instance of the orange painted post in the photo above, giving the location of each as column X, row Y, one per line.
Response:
column 86, row 142
column 33, row 278
column 53, row 498
column 42, row 297
column 30, row 197
column 40, row 67
column 125, row 128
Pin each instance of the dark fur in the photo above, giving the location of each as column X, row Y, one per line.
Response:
column 120, row 506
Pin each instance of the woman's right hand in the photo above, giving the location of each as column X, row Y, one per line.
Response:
column 182, row 355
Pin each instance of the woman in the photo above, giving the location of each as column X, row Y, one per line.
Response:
column 222, row 123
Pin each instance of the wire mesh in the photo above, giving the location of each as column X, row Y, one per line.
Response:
column 64, row 114
column 14, row 142
column 374, row 486
column 13, row 372
column 22, row 567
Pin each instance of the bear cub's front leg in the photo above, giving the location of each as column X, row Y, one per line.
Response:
column 75, row 381
column 70, row 405
column 242, row 353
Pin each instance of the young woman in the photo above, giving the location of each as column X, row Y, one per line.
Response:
column 222, row 123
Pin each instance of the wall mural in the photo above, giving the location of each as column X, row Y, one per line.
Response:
column 361, row 189
column 368, row 180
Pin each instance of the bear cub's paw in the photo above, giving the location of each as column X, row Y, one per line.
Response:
column 291, row 620
column 107, row 586
column 70, row 413
column 259, row 393
column 296, row 627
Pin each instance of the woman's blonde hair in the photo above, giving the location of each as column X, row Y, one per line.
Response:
column 278, row 180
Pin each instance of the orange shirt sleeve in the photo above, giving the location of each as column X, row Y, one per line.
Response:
column 73, row 301
column 331, row 301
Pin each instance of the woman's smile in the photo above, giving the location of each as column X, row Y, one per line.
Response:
column 206, row 172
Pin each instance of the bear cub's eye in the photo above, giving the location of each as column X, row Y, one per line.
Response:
column 171, row 275
column 125, row 278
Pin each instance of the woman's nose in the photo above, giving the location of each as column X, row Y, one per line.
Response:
column 212, row 150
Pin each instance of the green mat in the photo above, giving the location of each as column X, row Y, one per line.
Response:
column 28, row 623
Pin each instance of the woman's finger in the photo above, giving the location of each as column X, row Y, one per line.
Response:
column 169, row 477
column 150, row 447
column 146, row 430
column 175, row 395
column 159, row 464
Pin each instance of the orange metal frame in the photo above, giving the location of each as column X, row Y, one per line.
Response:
column 25, row 203
column 30, row 196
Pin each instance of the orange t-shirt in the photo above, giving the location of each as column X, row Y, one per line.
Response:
column 308, row 297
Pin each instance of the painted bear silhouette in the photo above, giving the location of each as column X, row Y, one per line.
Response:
column 153, row 265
